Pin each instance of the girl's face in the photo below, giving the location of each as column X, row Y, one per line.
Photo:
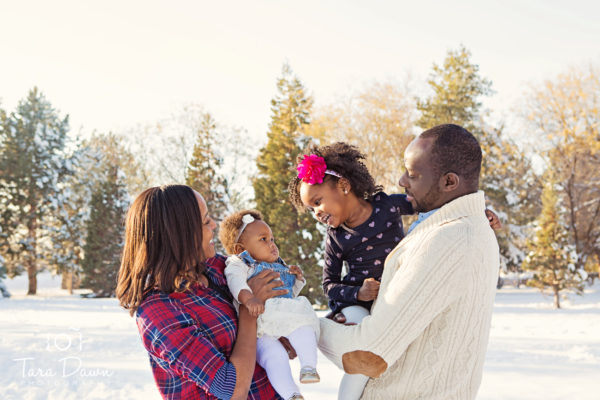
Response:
column 258, row 240
column 208, row 227
column 327, row 200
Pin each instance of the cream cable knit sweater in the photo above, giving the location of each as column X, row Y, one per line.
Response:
column 431, row 320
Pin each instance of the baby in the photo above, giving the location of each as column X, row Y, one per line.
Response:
column 250, row 243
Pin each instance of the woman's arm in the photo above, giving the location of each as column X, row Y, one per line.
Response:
column 243, row 356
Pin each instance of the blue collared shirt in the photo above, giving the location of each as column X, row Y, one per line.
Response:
column 422, row 217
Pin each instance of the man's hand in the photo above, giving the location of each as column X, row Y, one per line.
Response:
column 264, row 282
column 369, row 289
column 296, row 270
column 495, row 223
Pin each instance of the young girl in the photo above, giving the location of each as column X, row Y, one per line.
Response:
column 364, row 225
column 250, row 241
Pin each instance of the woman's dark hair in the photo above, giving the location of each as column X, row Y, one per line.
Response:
column 163, row 244
column 346, row 160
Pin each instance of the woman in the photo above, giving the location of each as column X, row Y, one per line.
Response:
column 172, row 280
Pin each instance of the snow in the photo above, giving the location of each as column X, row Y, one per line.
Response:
column 57, row 346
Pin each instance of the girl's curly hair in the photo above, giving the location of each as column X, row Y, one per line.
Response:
column 230, row 228
column 346, row 160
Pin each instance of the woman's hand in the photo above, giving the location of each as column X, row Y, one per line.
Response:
column 264, row 282
column 369, row 289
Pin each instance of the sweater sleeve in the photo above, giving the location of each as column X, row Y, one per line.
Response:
column 332, row 275
column 236, row 273
column 414, row 295
column 404, row 206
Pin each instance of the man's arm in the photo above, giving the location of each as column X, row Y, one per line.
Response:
column 412, row 295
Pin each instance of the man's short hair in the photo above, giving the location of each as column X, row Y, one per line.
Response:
column 456, row 150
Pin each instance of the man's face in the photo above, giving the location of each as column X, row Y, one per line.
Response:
column 420, row 181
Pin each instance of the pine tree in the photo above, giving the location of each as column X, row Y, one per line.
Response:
column 510, row 184
column 33, row 165
column 105, row 230
column 67, row 225
column 203, row 174
column 457, row 88
column 550, row 255
column 297, row 235
column 98, row 157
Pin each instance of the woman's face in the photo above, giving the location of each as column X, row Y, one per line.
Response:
column 208, row 227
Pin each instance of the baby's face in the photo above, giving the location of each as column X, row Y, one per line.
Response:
column 258, row 240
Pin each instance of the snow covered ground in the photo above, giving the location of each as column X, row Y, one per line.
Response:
column 61, row 347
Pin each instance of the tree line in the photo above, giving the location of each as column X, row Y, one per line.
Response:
column 63, row 199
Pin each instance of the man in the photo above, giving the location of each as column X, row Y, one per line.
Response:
column 428, row 330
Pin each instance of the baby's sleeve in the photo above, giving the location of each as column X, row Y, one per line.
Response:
column 298, row 285
column 236, row 273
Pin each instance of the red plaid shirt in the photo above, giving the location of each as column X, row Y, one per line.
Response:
column 189, row 337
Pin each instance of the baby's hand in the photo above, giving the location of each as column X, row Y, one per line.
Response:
column 255, row 306
column 296, row 270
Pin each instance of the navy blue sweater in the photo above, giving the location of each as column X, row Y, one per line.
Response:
column 364, row 248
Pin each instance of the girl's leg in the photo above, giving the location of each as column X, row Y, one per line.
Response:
column 304, row 341
column 271, row 355
column 352, row 385
column 354, row 314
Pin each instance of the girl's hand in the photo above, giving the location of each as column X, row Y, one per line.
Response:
column 264, row 282
column 296, row 270
column 255, row 306
column 495, row 223
column 369, row 289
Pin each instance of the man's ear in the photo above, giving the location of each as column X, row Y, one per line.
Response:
column 238, row 248
column 449, row 182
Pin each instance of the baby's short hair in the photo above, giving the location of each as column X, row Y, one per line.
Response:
column 230, row 228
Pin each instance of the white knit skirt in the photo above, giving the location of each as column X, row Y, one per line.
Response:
column 282, row 316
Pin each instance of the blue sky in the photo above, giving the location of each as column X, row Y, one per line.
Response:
column 114, row 64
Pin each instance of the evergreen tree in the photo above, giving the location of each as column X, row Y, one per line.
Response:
column 203, row 174
column 67, row 225
column 299, row 240
column 105, row 230
column 97, row 160
column 511, row 187
column 457, row 88
column 550, row 255
column 33, row 165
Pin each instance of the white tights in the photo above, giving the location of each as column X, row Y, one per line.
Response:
column 352, row 385
column 271, row 355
